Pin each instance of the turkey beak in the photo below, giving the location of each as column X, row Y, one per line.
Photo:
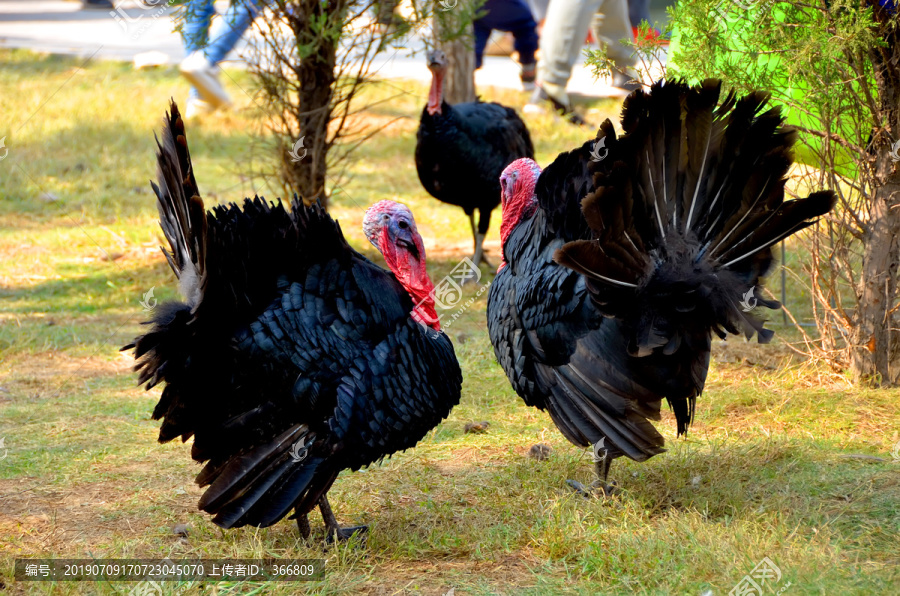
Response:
column 435, row 63
column 507, row 181
column 405, row 240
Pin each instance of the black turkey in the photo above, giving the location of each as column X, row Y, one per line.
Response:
column 624, row 256
column 293, row 357
column 461, row 151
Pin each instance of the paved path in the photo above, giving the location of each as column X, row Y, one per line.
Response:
column 63, row 27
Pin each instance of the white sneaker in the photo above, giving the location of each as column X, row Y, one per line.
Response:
column 197, row 69
column 534, row 108
column 197, row 107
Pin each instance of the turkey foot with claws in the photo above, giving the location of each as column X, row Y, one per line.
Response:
column 600, row 485
column 333, row 529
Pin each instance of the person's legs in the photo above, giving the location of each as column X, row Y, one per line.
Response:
column 561, row 41
column 515, row 17
column 482, row 33
column 194, row 32
column 526, row 43
column 524, row 31
column 199, row 67
column 639, row 10
column 521, row 24
column 228, row 30
column 611, row 26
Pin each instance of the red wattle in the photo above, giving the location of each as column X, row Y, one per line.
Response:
column 413, row 276
column 520, row 205
column 436, row 94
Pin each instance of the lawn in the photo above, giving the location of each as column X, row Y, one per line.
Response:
column 786, row 460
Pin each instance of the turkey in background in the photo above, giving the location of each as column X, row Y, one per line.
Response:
column 462, row 149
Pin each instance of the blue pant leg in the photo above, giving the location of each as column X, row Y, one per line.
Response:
column 228, row 30
column 197, row 16
column 526, row 39
column 482, row 34
column 195, row 31
column 639, row 10
column 513, row 16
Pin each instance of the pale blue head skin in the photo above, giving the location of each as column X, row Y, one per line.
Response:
column 388, row 225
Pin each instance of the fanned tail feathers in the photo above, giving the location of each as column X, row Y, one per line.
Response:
column 163, row 352
column 685, row 211
column 181, row 212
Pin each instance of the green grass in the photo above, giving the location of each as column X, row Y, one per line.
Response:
column 765, row 472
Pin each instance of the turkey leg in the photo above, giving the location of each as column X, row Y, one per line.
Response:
column 332, row 528
column 601, row 467
column 483, row 224
column 302, row 524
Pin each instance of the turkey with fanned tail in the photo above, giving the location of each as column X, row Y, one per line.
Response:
column 293, row 357
column 624, row 256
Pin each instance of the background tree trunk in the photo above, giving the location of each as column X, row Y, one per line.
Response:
column 459, row 82
column 877, row 336
column 871, row 352
column 313, row 109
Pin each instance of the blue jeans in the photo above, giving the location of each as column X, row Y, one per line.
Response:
column 507, row 15
column 224, row 35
